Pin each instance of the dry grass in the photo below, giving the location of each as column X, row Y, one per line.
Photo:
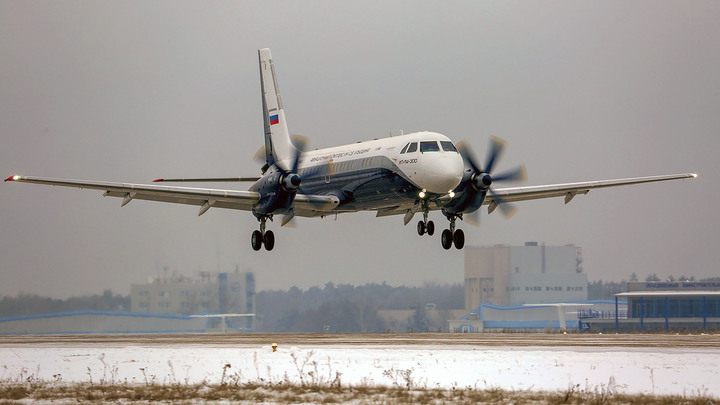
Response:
column 38, row 391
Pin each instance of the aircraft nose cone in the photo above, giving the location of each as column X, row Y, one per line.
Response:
column 444, row 174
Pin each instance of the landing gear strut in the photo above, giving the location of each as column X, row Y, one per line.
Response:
column 425, row 226
column 452, row 235
column 263, row 237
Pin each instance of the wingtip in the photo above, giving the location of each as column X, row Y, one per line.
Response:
column 158, row 180
column 693, row 175
column 12, row 178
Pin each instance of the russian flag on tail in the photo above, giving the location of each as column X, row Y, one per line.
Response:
column 274, row 119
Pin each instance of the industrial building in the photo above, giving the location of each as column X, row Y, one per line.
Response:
column 103, row 322
column 213, row 302
column 210, row 293
column 524, row 287
column 517, row 275
column 655, row 306
column 540, row 317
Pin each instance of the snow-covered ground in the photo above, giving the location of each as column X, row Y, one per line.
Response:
column 679, row 371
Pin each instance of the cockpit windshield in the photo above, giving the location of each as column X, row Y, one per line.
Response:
column 429, row 146
column 448, row 146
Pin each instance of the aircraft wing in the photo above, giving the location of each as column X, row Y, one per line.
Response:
column 570, row 190
column 514, row 194
column 305, row 205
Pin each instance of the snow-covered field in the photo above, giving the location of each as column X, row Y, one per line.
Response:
column 656, row 370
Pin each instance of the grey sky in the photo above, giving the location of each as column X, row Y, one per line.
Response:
column 135, row 90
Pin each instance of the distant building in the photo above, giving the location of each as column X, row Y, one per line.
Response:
column 523, row 287
column 652, row 306
column 539, row 317
column 174, row 304
column 105, row 322
column 210, row 293
column 517, row 275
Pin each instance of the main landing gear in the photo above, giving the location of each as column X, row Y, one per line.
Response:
column 452, row 235
column 449, row 236
column 263, row 237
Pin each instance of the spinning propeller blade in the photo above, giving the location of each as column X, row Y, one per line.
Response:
column 482, row 179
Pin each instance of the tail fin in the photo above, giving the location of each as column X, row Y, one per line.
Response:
column 278, row 146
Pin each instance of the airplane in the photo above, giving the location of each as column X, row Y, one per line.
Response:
column 398, row 175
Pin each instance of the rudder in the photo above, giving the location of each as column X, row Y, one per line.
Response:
column 278, row 146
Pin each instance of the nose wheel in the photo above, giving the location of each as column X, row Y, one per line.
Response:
column 262, row 237
column 425, row 226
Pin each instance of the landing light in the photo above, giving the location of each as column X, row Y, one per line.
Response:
column 451, row 194
column 422, row 193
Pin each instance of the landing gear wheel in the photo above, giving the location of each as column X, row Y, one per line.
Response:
column 269, row 240
column 430, row 228
column 446, row 239
column 256, row 240
column 421, row 228
column 459, row 239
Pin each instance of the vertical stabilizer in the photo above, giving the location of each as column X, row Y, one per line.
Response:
column 278, row 146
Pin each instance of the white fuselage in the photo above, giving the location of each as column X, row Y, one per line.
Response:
column 432, row 165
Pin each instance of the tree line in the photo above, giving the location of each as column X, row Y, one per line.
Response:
column 332, row 308
column 348, row 308
column 31, row 304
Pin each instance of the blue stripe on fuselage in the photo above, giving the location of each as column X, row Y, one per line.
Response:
column 361, row 188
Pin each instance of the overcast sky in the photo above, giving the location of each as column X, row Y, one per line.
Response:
column 130, row 91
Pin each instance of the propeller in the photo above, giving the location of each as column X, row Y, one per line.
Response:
column 300, row 141
column 291, row 181
column 482, row 179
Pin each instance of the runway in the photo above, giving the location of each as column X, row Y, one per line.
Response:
column 632, row 363
column 708, row 341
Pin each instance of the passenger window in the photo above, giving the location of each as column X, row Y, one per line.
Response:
column 448, row 146
column 412, row 147
column 404, row 148
column 429, row 146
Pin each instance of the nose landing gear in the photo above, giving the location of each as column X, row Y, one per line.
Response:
column 262, row 237
column 425, row 226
